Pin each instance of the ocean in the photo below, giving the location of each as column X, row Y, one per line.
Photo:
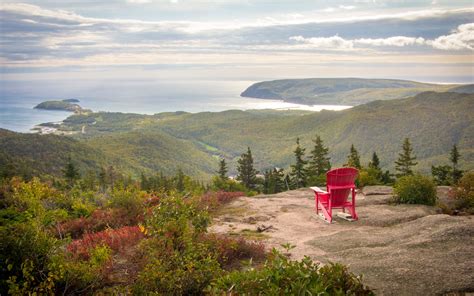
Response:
column 144, row 97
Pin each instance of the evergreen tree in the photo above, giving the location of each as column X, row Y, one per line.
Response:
column 353, row 159
column 454, row 157
column 386, row 178
column 89, row 181
column 405, row 160
column 274, row 181
column 374, row 168
column 247, row 174
column 319, row 161
column 287, row 181
column 375, row 162
column 71, row 173
column 180, row 180
column 298, row 174
column 441, row 174
column 222, row 172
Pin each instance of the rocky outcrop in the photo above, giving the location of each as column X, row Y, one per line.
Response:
column 399, row 249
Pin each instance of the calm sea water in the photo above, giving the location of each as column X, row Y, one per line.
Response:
column 145, row 97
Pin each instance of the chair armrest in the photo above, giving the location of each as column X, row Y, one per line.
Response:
column 318, row 190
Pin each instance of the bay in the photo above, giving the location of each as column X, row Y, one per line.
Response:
column 143, row 97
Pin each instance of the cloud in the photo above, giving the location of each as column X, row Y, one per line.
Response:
column 334, row 42
column 398, row 41
column 32, row 35
column 347, row 7
column 139, row 1
column 461, row 38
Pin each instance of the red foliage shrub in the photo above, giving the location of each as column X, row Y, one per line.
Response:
column 231, row 251
column 215, row 199
column 152, row 200
column 99, row 220
column 116, row 239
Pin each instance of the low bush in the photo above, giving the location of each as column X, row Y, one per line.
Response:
column 213, row 200
column 99, row 220
column 25, row 252
column 464, row 193
column 282, row 276
column 115, row 239
column 232, row 251
column 186, row 269
column 369, row 177
column 178, row 263
column 83, row 276
column 416, row 189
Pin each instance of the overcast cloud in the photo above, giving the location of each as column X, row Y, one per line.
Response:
column 285, row 37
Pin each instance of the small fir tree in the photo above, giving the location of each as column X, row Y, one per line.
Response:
column 71, row 173
column 274, row 181
column 222, row 172
column 247, row 173
column 353, row 159
column 319, row 162
column 375, row 162
column 406, row 161
column 454, row 156
column 180, row 180
column 298, row 172
column 441, row 174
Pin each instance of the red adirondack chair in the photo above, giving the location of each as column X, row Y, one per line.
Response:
column 340, row 183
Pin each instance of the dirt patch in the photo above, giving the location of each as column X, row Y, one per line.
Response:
column 400, row 249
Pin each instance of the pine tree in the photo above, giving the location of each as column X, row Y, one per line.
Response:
column 454, row 158
column 353, row 159
column 274, row 181
column 319, row 161
column 298, row 174
column 71, row 173
column 405, row 160
column 222, row 172
column 180, row 180
column 247, row 174
column 375, row 162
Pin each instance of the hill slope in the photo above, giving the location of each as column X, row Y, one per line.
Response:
column 433, row 122
column 338, row 91
column 32, row 155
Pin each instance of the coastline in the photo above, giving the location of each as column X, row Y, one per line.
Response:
column 30, row 120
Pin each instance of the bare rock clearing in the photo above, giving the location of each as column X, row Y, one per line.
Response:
column 399, row 249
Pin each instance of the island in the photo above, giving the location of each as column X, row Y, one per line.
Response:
column 63, row 105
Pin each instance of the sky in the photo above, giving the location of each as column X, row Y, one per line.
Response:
column 251, row 40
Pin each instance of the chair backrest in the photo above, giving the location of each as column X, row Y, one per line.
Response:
column 339, row 183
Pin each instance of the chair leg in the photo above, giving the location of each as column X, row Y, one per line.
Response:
column 317, row 204
column 327, row 214
column 353, row 212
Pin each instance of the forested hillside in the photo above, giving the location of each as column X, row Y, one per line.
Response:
column 168, row 141
column 339, row 91
column 30, row 155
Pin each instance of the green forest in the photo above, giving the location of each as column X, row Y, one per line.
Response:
column 164, row 142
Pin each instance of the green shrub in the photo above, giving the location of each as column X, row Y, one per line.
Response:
column 84, row 276
column 416, row 189
column 282, row 276
column 25, row 259
column 227, row 185
column 186, row 270
column 464, row 193
column 178, row 263
column 368, row 177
